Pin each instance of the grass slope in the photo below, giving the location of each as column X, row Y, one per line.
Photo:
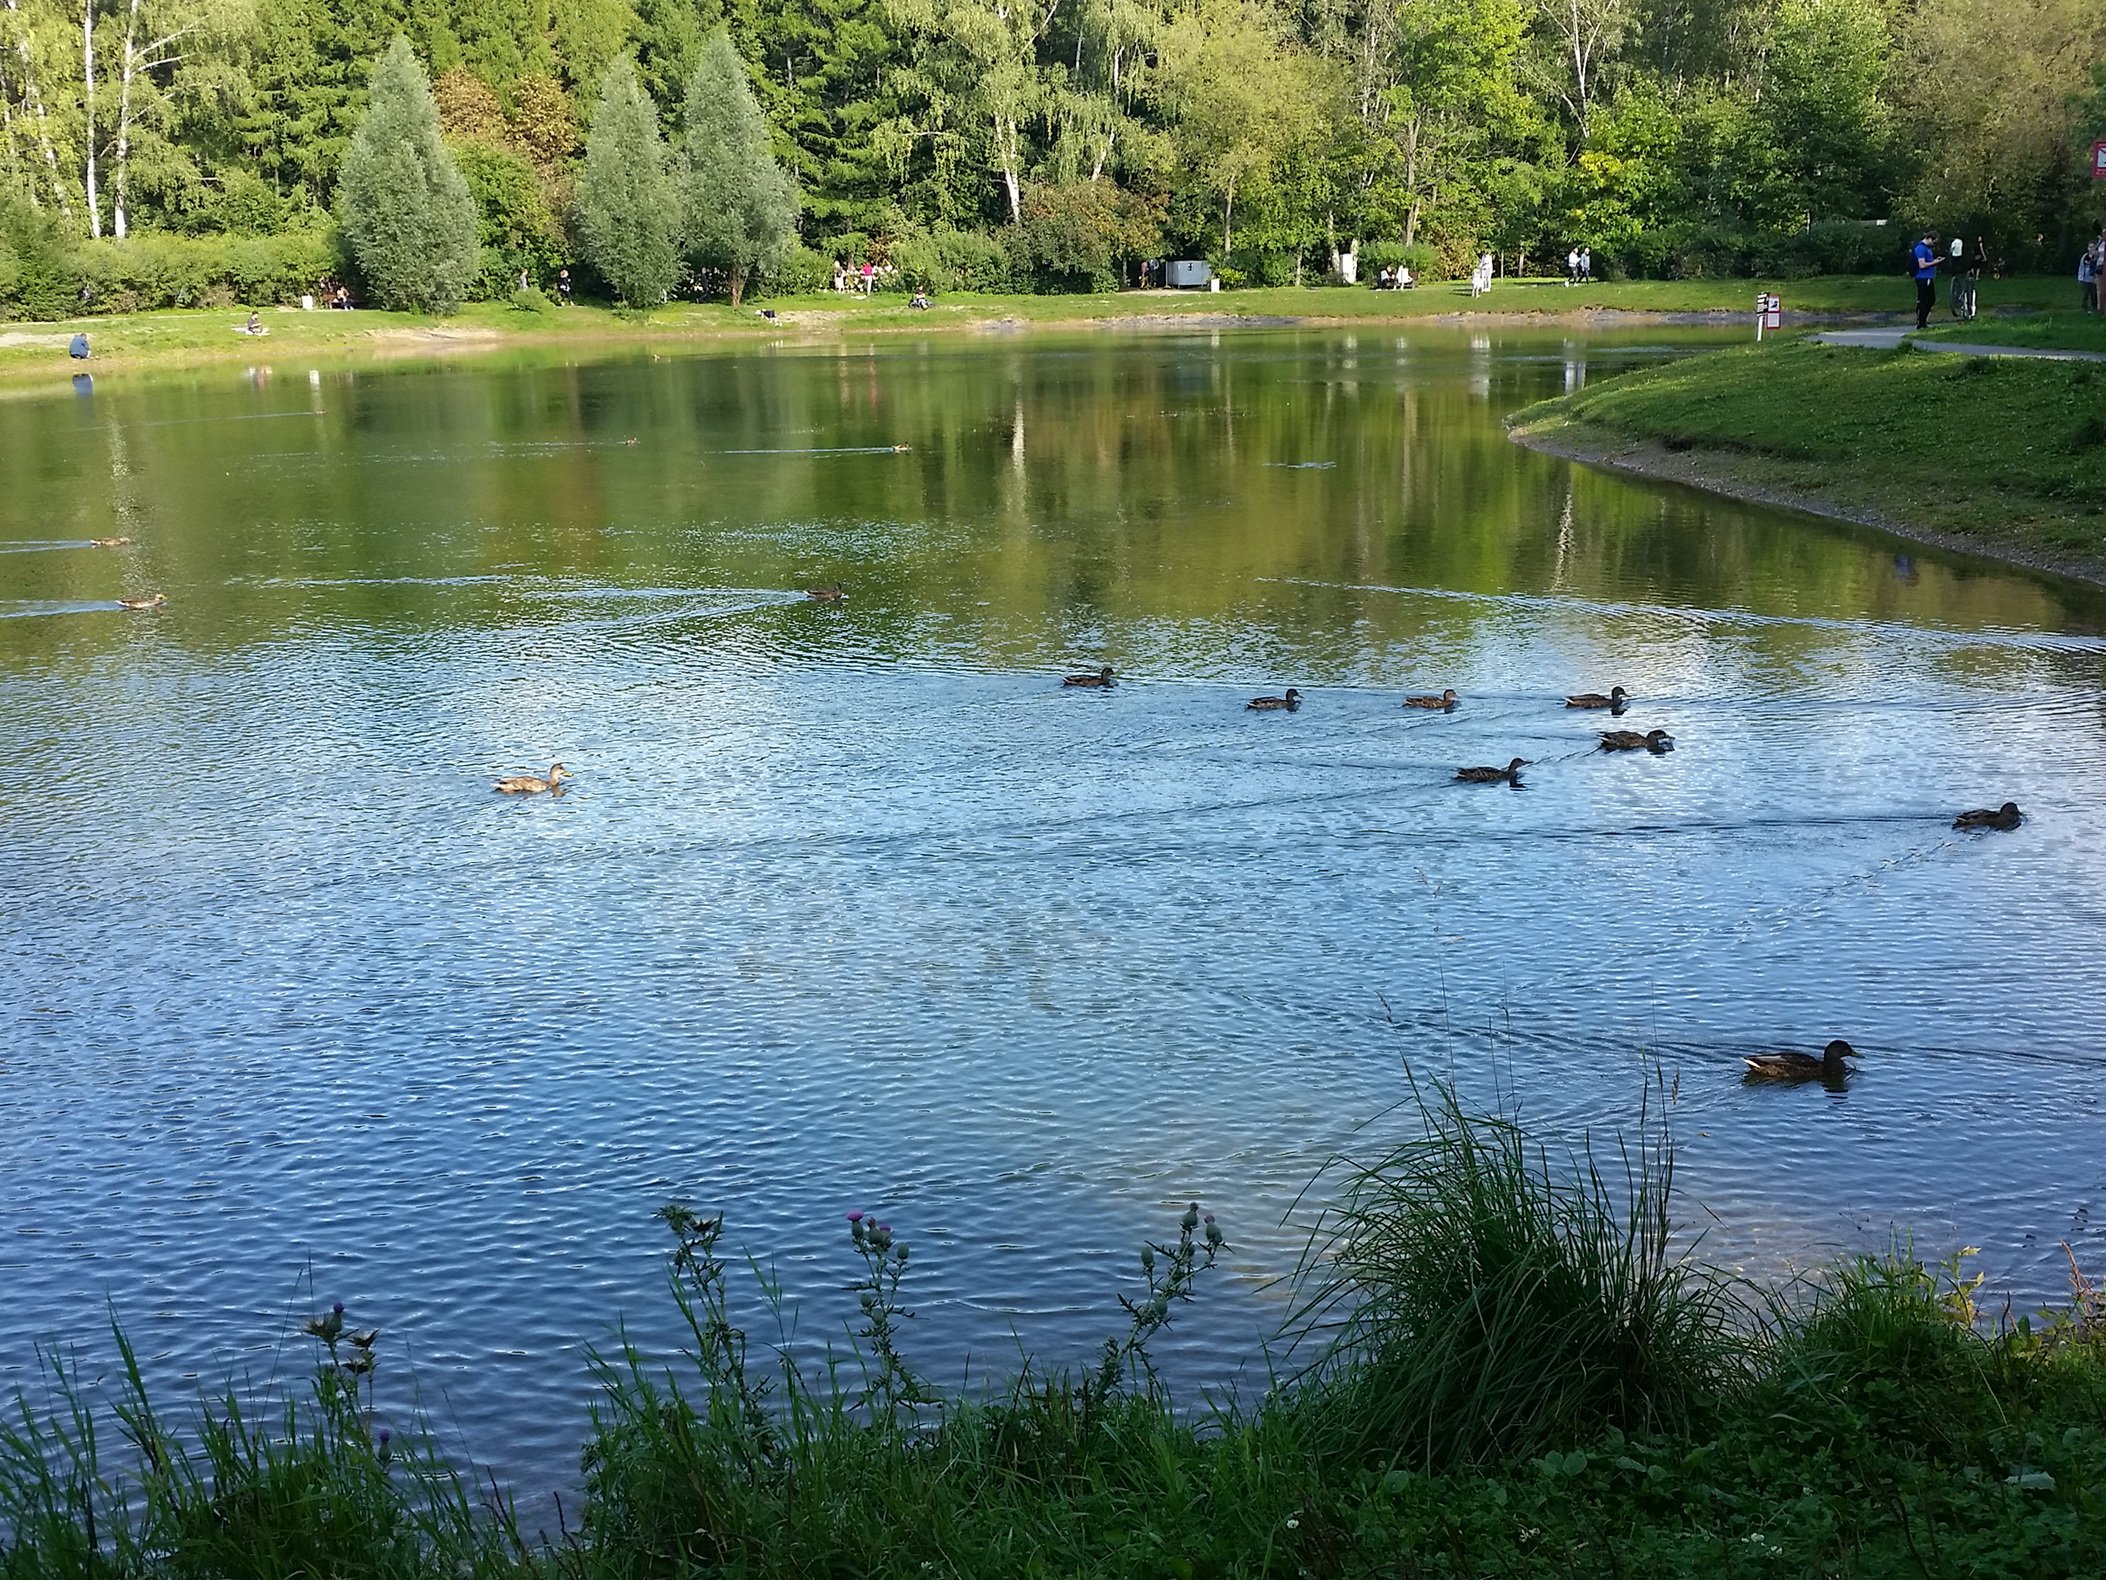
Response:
column 122, row 342
column 2007, row 456
column 2050, row 330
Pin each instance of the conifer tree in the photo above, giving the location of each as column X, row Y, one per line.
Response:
column 741, row 204
column 405, row 209
column 628, row 199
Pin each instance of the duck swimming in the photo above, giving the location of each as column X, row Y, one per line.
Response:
column 1510, row 774
column 2005, row 817
column 152, row 601
column 1631, row 741
column 1445, row 701
column 1801, row 1066
column 1290, row 702
column 108, row 543
column 1616, row 701
column 528, row 784
column 825, row 592
column 1096, row 682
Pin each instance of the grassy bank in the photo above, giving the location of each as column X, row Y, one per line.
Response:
column 2059, row 331
column 1502, row 1369
column 1997, row 456
column 125, row 342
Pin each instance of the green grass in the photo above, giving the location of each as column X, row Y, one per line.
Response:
column 2061, row 331
column 2008, row 454
column 1510, row 1372
column 128, row 341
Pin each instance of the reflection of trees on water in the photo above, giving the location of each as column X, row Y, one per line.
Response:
column 1049, row 483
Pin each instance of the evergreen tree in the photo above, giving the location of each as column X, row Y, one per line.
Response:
column 628, row 200
column 406, row 211
column 741, row 204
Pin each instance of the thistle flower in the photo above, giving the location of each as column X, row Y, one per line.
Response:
column 1190, row 1220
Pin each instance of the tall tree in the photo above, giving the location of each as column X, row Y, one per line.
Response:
column 405, row 209
column 741, row 204
column 1235, row 83
column 628, row 199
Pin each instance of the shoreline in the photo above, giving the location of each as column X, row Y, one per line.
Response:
column 1718, row 471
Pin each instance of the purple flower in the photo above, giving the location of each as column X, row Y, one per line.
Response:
column 338, row 1308
column 385, row 1434
column 856, row 1216
column 884, row 1228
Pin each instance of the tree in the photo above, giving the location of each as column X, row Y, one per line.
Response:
column 741, row 204
column 405, row 209
column 1236, row 84
column 628, row 200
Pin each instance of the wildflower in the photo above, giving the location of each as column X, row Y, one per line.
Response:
column 900, row 1252
column 1148, row 1259
column 386, row 1453
column 856, row 1216
column 1190, row 1220
column 1293, row 1524
column 1215, row 1238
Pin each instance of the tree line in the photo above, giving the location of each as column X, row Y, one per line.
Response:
column 1049, row 144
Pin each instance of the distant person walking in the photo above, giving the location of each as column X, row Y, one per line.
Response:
column 2088, row 280
column 1572, row 267
column 869, row 275
column 563, row 287
column 1586, row 265
column 1924, row 261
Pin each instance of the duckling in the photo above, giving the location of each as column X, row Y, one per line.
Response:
column 152, row 601
column 1631, row 741
column 1510, row 774
column 2005, row 817
column 1446, row 701
column 1801, row 1066
column 825, row 592
column 1289, row 703
column 108, row 543
column 1096, row 682
column 1616, row 701
column 528, row 784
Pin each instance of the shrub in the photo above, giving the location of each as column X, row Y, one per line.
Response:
column 39, row 276
column 151, row 270
column 802, row 271
column 518, row 231
column 407, row 215
column 1480, row 1304
column 947, row 259
column 1423, row 260
column 531, row 300
column 1074, row 237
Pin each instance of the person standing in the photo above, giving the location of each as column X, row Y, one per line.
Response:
column 1586, row 265
column 563, row 286
column 1572, row 267
column 1924, row 260
column 2088, row 280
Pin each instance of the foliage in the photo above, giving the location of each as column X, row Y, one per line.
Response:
column 628, row 200
column 405, row 210
column 518, row 232
column 741, row 205
column 1077, row 237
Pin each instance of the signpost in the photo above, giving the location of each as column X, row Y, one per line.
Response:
column 1769, row 312
column 2098, row 160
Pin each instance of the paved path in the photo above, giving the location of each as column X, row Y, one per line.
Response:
column 1889, row 339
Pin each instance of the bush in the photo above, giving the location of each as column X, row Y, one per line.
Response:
column 947, row 259
column 1422, row 259
column 39, row 277
column 799, row 274
column 531, row 300
column 1076, row 237
column 518, row 231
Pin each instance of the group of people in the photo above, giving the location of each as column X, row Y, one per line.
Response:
column 1395, row 277
column 1579, row 266
column 849, row 278
column 2091, row 265
column 526, row 283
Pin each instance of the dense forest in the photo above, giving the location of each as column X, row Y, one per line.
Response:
column 1049, row 144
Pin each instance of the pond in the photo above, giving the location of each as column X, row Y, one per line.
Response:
column 853, row 905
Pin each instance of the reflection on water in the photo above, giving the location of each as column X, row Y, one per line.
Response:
column 853, row 905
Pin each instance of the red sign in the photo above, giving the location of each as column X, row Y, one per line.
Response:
column 2098, row 160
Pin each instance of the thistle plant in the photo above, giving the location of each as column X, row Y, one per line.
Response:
column 720, row 1344
column 895, row 1388
column 1171, row 1271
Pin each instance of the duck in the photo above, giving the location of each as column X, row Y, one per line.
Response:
column 1510, row 774
column 825, row 592
column 1096, row 682
column 1631, row 741
column 151, row 601
column 2005, row 817
column 901, row 449
column 1801, row 1066
column 108, row 543
column 529, row 784
column 1446, row 701
column 1616, row 701
column 632, row 439
column 1289, row 703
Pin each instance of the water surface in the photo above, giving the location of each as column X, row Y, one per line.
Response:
column 855, row 907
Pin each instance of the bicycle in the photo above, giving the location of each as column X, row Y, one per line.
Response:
column 1963, row 298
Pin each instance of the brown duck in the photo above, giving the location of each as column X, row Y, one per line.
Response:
column 1446, row 701
column 530, row 784
column 825, row 592
column 1510, row 774
column 1096, row 682
column 1801, row 1066
column 1632, row 741
column 108, row 543
column 2005, row 817
column 151, row 601
column 1616, row 701
column 1289, row 703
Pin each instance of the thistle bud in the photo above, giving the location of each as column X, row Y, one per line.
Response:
column 1190, row 1220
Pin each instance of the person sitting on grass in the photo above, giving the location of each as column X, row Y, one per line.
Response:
column 920, row 300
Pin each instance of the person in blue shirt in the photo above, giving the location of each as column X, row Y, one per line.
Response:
column 1925, row 259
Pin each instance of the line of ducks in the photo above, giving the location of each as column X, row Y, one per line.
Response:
column 1614, row 701
column 150, row 600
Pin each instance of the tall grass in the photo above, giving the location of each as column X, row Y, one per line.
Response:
column 1480, row 1302
column 1507, row 1367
